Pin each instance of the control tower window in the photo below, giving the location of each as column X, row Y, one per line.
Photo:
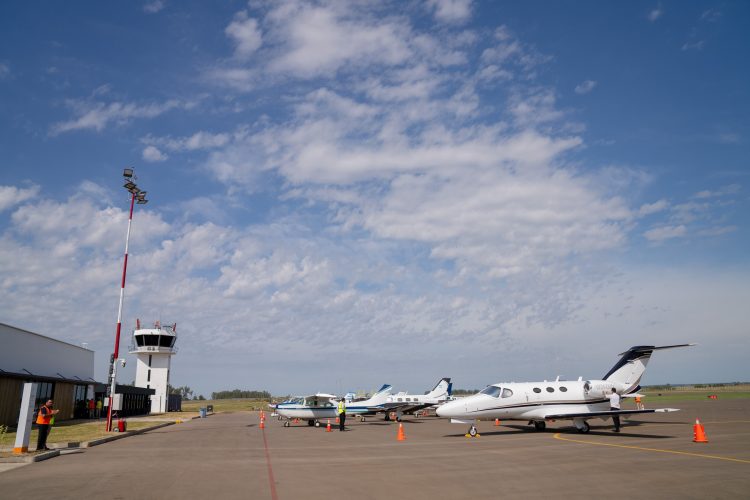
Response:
column 165, row 340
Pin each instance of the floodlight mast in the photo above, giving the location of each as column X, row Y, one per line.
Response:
column 135, row 194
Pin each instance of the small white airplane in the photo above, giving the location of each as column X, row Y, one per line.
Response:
column 311, row 408
column 404, row 403
column 539, row 402
column 325, row 406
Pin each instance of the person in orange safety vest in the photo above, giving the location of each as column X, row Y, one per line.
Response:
column 43, row 420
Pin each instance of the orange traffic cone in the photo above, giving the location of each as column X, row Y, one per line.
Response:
column 497, row 422
column 699, row 434
column 401, row 436
column 328, row 427
column 296, row 420
column 262, row 423
column 337, row 420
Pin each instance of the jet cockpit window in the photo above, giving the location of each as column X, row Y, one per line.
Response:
column 507, row 393
column 491, row 390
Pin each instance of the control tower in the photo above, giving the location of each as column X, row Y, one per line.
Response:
column 154, row 348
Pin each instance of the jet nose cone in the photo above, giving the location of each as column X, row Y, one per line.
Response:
column 446, row 410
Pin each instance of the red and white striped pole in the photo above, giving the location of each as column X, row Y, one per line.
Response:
column 113, row 369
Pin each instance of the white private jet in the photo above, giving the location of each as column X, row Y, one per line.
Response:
column 538, row 402
column 404, row 403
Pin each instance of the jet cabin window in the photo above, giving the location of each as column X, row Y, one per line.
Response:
column 507, row 393
column 550, row 389
column 491, row 390
column 537, row 390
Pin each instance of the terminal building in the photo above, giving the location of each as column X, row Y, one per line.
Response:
column 63, row 372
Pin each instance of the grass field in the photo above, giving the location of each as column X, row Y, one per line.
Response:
column 224, row 405
column 75, row 431
column 656, row 397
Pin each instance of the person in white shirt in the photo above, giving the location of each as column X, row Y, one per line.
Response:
column 614, row 404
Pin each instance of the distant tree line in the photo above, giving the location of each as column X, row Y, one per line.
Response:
column 464, row 392
column 237, row 394
column 186, row 393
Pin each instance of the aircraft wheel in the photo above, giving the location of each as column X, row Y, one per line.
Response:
column 387, row 417
column 279, row 418
column 585, row 428
column 317, row 424
column 287, row 424
column 540, row 426
column 473, row 431
column 310, row 423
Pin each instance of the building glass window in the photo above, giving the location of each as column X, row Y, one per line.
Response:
column 44, row 392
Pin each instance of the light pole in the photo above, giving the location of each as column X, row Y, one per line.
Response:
column 136, row 195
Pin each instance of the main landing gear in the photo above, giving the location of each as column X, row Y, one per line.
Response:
column 539, row 425
column 582, row 426
column 311, row 423
column 472, row 432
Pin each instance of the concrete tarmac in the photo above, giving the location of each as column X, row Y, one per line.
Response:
column 227, row 456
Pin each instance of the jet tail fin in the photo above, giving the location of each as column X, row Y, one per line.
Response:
column 442, row 388
column 631, row 366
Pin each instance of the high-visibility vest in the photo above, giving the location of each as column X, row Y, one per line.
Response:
column 342, row 407
column 44, row 418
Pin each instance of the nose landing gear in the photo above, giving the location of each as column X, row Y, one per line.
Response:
column 472, row 432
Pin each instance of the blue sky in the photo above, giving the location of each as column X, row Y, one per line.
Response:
column 345, row 194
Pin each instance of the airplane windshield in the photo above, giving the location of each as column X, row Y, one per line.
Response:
column 491, row 390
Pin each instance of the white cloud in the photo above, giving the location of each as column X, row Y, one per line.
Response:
column 4, row 71
column 245, row 33
column 319, row 40
column 585, row 87
column 655, row 14
column 711, row 15
column 659, row 234
column 98, row 115
column 154, row 6
column 698, row 45
column 728, row 190
column 198, row 141
column 11, row 196
column 152, row 154
column 451, row 11
column 652, row 208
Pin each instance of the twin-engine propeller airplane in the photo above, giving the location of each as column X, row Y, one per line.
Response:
column 404, row 403
column 539, row 402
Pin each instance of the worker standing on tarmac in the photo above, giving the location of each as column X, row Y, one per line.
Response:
column 342, row 414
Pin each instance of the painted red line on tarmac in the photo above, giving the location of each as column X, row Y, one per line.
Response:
column 271, row 481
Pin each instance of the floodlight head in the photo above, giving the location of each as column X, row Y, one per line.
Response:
column 127, row 173
column 130, row 186
column 141, row 201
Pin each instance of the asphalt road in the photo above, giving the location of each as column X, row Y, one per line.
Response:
column 227, row 456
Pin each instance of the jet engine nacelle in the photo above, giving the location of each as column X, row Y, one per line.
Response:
column 600, row 388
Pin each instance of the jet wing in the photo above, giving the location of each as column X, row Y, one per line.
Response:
column 406, row 408
column 607, row 413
